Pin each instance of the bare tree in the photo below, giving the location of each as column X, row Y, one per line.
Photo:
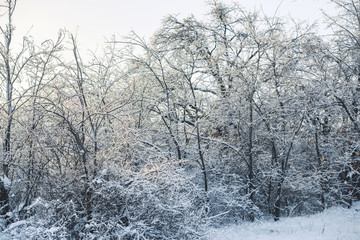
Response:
column 11, row 74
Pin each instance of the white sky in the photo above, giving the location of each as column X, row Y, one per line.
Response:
column 93, row 20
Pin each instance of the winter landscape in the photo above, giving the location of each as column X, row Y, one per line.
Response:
column 238, row 125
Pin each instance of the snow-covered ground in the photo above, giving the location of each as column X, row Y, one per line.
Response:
column 336, row 223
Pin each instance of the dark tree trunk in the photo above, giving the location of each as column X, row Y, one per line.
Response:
column 4, row 202
column 277, row 210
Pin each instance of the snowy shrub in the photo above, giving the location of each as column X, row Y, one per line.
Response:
column 156, row 203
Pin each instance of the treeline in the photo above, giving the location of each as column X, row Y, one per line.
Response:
column 236, row 118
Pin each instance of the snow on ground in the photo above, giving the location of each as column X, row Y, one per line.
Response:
column 336, row 223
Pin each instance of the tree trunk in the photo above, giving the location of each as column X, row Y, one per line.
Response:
column 277, row 210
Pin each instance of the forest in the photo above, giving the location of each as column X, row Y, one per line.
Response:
column 235, row 118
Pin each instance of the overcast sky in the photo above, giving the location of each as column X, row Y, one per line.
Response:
column 93, row 20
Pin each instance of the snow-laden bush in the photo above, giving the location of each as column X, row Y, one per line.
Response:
column 156, row 203
column 228, row 200
column 44, row 220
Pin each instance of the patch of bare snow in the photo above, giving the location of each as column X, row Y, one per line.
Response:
column 336, row 223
